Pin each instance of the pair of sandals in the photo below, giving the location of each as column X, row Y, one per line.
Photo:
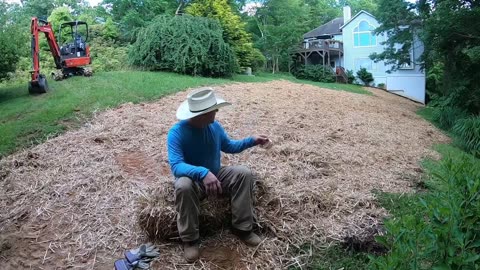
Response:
column 139, row 258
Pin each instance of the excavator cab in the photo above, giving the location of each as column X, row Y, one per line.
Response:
column 73, row 37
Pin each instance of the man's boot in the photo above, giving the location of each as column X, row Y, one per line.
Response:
column 191, row 251
column 248, row 237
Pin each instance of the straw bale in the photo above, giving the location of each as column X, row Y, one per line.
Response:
column 81, row 199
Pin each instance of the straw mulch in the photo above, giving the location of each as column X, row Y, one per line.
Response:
column 81, row 199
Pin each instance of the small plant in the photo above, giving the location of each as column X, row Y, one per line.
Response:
column 365, row 76
column 382, row 85
column 446, row 116
column 316, row 73
column 350, row 76
column 468, row 132
column 443, row 231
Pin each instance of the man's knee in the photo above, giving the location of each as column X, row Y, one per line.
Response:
column 183, row 185
column 244, row 171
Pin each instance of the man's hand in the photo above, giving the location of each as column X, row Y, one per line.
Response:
column 212, row 185
column 261, row 139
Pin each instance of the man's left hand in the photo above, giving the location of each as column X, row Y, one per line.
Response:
column 260, row 139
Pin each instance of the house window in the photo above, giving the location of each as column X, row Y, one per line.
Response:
column 363, row 35
column 408, row 63
column 364, row 63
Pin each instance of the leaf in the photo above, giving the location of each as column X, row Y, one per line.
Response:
column 472, row 258
column 441, row 267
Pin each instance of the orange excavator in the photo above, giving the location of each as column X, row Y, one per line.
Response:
column 70, row 59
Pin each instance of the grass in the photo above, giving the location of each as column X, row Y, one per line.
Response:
column 27, row 119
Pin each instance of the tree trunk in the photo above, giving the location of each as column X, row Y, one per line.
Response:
column 177, row 12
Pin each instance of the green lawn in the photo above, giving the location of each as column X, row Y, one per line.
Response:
column 27, row 119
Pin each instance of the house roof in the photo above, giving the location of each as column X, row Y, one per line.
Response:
column 330, row 28
column 358, row 14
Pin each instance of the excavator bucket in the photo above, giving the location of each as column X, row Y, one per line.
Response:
column 39, row 86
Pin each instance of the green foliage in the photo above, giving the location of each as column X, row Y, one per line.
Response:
column 449, row 31
column 441, row 229
column 108, row 56
column 446, row 116
column 365, row 76
column 468, row 134
column 183, row 44
column 257, row 60
column 59, row 15
column 132, row 15
column 110, row 30
column 350, row 76
column 382, row 85
column 9, row 54
column 316, row 73
column 234, row 28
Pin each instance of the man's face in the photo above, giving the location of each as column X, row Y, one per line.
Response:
column 207, row 118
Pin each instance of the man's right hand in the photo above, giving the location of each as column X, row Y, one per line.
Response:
column 212, row 185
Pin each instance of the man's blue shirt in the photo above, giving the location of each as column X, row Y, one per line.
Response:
column 193, row 152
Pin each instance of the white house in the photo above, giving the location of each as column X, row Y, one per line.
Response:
column 348, row 42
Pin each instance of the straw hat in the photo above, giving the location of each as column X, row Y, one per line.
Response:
column 200, row 101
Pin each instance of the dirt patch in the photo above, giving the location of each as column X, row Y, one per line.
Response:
column 76, row 194
column 222, row 258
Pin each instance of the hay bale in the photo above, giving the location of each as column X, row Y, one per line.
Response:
column 158, row 217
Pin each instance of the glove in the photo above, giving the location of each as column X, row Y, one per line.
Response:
column 146, row 253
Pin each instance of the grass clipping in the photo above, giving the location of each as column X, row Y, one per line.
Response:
column 81, row 199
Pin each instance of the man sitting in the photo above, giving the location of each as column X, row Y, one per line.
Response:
column 194, row 145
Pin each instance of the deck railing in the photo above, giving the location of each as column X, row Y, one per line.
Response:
column 321, row 44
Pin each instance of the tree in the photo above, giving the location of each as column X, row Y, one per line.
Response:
column 450, row 31
column 135, row 14
column 10, row 37
column 281, row 25
column 183, row 44
column 234, row 28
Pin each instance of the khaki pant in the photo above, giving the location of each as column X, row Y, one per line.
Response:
column 237, row 183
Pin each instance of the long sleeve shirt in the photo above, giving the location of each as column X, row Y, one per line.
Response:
column 193, row 152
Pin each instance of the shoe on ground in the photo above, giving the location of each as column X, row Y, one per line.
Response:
column 191, row 251
column 248, row 237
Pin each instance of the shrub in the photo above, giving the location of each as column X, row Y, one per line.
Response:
column 108, row 56
column 365, row 76
column 382, row 85
column 443, row 233
column 316, row 73
column 468, row 132
column 446, row 116
column 350, row 76
column 257, row 60
column 183, row 44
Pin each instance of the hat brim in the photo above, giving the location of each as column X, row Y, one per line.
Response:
column 184, row 113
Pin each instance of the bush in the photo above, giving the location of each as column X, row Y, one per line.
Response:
column 446, row 116
column 443, row 233
column 365, row 76
column 350, row 76
column 183, row 44
column 108, row 56
column 316, row 73
column 468, row 132
column 382, row 85
column 257, row 60
column 10, row 37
